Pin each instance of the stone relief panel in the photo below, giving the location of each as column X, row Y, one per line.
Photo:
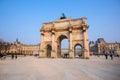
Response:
column 77, row 35
column 77, row 42
column 76, row 26
column 47, row 37
column 47, row 26
column 65, row 33
column 63, row 25
column 76, row 22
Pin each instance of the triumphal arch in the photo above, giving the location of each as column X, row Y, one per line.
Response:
column 52, row 33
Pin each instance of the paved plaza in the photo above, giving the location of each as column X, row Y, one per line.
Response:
column 32, row 68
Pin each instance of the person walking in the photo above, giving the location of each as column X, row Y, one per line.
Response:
column 15, row 56
column 12, row 56
column 111, row 55
column 106, row 55
column 1, row 56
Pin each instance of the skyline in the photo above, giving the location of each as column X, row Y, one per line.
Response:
column 23, row 19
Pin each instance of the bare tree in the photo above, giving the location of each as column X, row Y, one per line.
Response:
column 4, row 46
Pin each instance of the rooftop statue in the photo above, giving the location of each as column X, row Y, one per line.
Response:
column 63, row 16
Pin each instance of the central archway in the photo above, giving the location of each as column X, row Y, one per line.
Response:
column 65, row 48
column 59, row 46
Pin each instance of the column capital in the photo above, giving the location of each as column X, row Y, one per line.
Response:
column 42, row 34
column 84, row 28
column 70, row 31
column 53, row 33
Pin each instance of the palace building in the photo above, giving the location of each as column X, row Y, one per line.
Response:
column 102, row 47
column 19, row 48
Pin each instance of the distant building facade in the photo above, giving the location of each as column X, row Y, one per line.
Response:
column 19, row 48
column 102, row 47
column 30, row 49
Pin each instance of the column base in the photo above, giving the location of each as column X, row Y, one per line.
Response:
column 53, row 54
column 42, row 55
column 71, row 54
column 86, row 55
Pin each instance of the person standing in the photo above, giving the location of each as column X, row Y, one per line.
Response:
column 106, row 55
column 111, row 55
column 15, row 56
column 12, row 56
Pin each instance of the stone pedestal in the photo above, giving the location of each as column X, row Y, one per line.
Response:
column 42, row 55
column 53, row 54
column 71, row 54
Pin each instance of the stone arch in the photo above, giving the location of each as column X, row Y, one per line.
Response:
column 75, row 30
column 66, row 34
column 80, row 54
column 59, row 39
column 48, row 51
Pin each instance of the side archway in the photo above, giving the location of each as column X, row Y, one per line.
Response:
column 78, row 53
column 48, row 51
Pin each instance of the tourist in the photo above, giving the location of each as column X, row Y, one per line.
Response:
column 111, row 55
column 1, row 55
column 15, row 56
column 12, row 56
column 118, row 55
column 106, row 55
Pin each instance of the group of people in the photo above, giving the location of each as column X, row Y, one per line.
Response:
column 65, row 55
column 14, row 56
column 106, row 55
column 2, row 56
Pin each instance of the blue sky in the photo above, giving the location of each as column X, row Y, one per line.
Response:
column 23, row 19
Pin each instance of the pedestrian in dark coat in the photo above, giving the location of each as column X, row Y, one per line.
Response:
column 106, row 55
column 12, row 56
column 111, row 55
column 15, row 56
